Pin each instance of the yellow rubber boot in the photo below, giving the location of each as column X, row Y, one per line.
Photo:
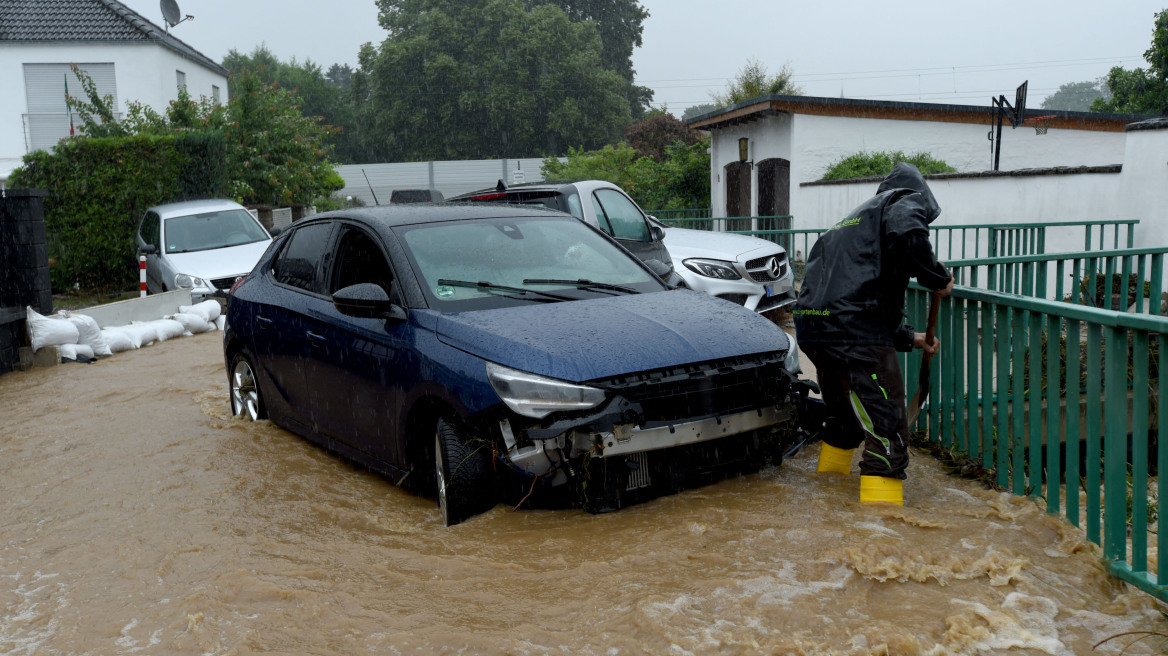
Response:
column 836, row 461
column 878, row 489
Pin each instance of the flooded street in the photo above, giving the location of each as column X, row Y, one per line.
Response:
column 139, row 517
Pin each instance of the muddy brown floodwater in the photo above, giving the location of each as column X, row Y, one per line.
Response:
column 138, row 516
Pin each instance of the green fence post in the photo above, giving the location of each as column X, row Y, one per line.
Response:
column 1074, row 392
column 1139, row 455
column 1054, row 436
column 1115, row 448
column 1161, row 459
column 1017, row 366
column 1094, row 429
column 1002, row 437
column 989, row 391
column 1037, row 398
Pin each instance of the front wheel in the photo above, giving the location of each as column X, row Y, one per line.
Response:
column 246, row 400
column 462, row 465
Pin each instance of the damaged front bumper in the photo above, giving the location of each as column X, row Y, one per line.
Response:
column 643, row 452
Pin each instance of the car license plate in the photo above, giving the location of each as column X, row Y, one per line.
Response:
column 770, row 290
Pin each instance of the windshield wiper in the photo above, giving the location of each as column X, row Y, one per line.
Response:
column 483, row 284
column 581, row 283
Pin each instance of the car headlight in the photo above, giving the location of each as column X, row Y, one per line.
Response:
column 791, row 359
column 719, row 269
column 187, row 281
column 536, row 396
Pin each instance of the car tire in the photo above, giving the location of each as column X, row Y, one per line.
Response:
column 462, row 465
column 246, row 399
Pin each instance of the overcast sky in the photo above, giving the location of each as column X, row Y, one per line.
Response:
column 931, row 51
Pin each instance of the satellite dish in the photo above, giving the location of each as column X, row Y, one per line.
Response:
column 170, row 12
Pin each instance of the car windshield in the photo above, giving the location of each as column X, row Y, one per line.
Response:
column 210, row 230
column 546, row 255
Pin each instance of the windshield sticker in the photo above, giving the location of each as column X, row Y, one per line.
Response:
column 444, row 291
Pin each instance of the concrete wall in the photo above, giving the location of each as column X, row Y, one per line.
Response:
column 812, row 143
column 144, row 72
column 1143, row 190
column 1043, row 195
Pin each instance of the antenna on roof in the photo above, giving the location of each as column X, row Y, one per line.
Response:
column 171, row 14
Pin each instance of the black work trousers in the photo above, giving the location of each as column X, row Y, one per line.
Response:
column 863, row 390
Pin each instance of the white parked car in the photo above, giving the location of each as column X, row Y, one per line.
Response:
column 200, row 245
column 752, row 272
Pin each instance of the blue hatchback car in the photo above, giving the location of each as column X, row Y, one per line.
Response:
column 502, row 353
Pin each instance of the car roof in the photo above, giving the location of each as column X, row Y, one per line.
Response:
column 416, row 213
column 188, row 207
column 581, row 185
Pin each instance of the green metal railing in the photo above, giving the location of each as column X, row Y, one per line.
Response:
column 1112, row 279
column 950, row 242
column 975, row 240
column 669, row 215
column 1018, row 387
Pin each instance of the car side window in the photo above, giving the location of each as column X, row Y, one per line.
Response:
column 624, row 219
column 301, row 258
column 575, row 207
column 360, row 260
column 151, row 231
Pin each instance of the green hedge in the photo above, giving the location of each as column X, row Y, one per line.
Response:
column 99, row 189
column 880, row 163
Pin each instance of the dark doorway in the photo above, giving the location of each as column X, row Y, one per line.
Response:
column 738, row 194
column 774, row 198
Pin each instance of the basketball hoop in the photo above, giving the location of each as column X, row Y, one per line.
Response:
column 1039, row 123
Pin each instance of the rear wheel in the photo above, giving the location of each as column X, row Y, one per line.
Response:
column 462, row 467
column 246, row 400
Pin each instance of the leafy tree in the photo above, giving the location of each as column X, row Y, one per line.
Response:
column 1077, row 96
column 681, row 179
column 651, row 136
column 754, row 81
column 275, row 154
column 620, row 24
column 315, row 93
column 485, row 79
column 340, row 76
column 1141, row 91
column 878, row 164
column 278, row 155
column 697, row 110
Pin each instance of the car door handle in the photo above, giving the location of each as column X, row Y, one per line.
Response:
column 264, row 322
column 314, row 338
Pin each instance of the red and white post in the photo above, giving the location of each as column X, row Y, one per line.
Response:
column 141, row 276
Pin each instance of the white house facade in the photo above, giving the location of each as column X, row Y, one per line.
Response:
column 128, row 57
column 767, row 154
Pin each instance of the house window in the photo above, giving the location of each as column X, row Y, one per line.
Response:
column 47, row 119
column 182, row 79
column 215, row 93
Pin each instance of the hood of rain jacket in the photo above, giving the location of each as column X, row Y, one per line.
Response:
column 857, row 273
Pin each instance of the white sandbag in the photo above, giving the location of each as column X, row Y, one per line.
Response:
column 167, row 329
column 43, row 331
column 193, row 323
column 89, row 333
column 76, row 352
column 208, row 309
column 220, row 322
column 147, row 333
column 118, row 340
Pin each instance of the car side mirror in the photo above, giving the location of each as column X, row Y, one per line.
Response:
column 368, row 301
column 148, row 249
column 275, row 231
column 658, row 233
column 660, row 268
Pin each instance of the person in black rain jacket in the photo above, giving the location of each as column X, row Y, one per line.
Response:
column 849, row 321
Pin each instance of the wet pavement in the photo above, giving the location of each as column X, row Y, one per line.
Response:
column 138, row 516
